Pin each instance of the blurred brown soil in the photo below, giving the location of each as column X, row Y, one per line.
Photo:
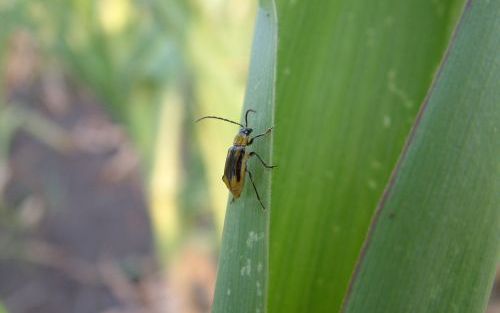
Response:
column 494, row 305
column 75, row 235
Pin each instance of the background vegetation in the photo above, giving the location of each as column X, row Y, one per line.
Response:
column 154, row 66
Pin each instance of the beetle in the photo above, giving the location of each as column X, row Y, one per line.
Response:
column 236, row 168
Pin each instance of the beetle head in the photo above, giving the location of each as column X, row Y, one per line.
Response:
column 246, row 131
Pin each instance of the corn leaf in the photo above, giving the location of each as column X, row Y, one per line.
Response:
column 351, row 76
column 242, row 273
column 435, row 240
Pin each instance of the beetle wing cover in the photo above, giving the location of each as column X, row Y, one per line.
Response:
column 234, row 171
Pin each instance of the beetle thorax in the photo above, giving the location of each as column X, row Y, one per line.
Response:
column 242, row 137
column 240, row 140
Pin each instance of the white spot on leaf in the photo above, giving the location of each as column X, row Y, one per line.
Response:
column 394, row 89
column 387, row 121
column 247, row 268
column 252, row 238
column 375, row 164
column 259, row 267
column 259, row 289
column 389, row 21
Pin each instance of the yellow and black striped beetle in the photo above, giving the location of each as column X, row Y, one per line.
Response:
column 237, row 156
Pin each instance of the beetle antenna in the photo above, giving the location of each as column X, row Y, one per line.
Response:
column 246, row 116
column 219, row 118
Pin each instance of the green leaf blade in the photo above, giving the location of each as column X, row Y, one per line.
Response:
column 350, row 77
column 435, row 241
column 243, row 264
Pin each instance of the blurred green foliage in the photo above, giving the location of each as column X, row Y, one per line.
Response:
column 126, row 52
column 143, row 60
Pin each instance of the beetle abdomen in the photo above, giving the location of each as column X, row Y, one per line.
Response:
column 234, row 170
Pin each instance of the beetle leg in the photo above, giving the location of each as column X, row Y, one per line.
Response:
column 260, row 159
column 263, row 134
column 255, row 188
